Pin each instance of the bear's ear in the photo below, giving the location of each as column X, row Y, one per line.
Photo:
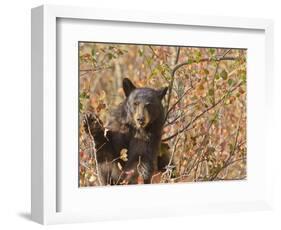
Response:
column 162, row 92
column 128, row 86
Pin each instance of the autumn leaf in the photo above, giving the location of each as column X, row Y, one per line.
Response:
column 124, row 155
column 92, row 179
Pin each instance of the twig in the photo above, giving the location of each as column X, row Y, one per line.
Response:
column 202, row 113
column 85, row 71
column 186, row 128
column 234, row 161
column 203, row 142
column 197, row 159
column 94, row 150
column 138, row 168
column 155, row 175
column 174, row 120
column 119, row 178
column 168, row 167
column 226, row 165
column 84, row 165
column 216, row 70
column 202, row 60
column 154, row 53
column 182, row 115
column 174, row 105
column 231, row 153
column 172, row 82
column 178, row 56
column 213, row 82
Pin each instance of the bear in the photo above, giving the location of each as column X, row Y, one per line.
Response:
column 143, row 114
column 135, row 125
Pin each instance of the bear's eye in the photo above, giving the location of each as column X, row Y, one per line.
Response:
column 147, row 104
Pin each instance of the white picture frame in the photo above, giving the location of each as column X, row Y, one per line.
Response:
column 46, row 197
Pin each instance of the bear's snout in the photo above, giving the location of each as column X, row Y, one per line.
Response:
column 141, row 120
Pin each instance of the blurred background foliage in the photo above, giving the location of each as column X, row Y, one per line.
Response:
column 205, row 129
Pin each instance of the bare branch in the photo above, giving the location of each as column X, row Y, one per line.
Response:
column 202, row 113
column 226, row 165
column 174, row 105
column 85, row 71
column 202, row 60
column 168, row 167
column 197, row 159
column 155, row 175
column 231, row 153
column 178, row 55
column 170, row 89
column 154, row 53
column 216, row 70
column 94, row 151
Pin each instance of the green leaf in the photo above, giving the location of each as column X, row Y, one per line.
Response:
column 194, row 98
column 140, row 52
column 224, row 75
column 211, row 92
column 230, row 82
column 120, row 52
column 198, row 55
column 206, row 71
column 217, row 76
column 212, row 51
column 243, row 77
column 149, row 61
column 84, row 95
column 190, row 61
column 154, row 73
column 110, row 56
column 94, row 56
column 231, row 147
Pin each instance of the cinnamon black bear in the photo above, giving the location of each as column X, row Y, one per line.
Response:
column 135, row 125
column 143, row 113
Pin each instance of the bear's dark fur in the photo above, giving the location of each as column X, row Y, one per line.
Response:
column 143, row 114
column 135, row 125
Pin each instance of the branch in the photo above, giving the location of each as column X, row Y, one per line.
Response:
column 174, row 105
column 93, row 149
column 178, row 56
column 216, row 70
column 202, row 113
column 95, row 69
column 177, row 66
column 226, row 165
column 202, row 60
column 197, row 160
column 231, row 153
column 154, row 53
column 172, row 82
column 169, row 168
column 182, row 115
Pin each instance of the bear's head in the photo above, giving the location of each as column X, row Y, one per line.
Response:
column 144, row 105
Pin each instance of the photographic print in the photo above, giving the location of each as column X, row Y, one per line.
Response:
column 152, row 114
